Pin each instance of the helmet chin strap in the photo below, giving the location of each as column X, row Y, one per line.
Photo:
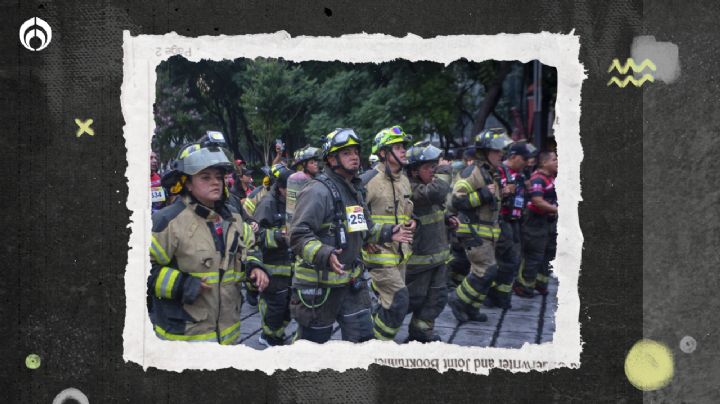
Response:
column 397, row 160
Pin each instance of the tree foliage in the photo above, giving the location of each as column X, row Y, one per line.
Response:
column 254, row 102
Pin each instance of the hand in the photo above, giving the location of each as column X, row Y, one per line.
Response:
column 508, row 189
column 254, row 226
column 443, row 162
column 334, row 262
column 204, row 285
column 454, row 222
column 260, row 278
column 492, row 188
column 411, row 225
column 372, row 248
column 401, row 234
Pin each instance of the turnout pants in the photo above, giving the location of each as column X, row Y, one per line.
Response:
column 428, row 296
column 539, row 247
column 317, row 309
column 508, row 254
column 388, row 283
column 483, row 270
column 458, row 266
column 273, row 306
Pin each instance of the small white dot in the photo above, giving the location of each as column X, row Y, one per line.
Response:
column 688, row 344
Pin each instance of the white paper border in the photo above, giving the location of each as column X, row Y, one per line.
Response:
column 143, row 53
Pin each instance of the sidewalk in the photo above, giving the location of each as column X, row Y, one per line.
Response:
column 529, row 320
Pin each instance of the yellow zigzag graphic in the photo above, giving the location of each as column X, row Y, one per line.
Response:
column 630, row 79
column 631, row 64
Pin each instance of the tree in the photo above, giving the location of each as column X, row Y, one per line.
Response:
column 177, row 119
column 274, row 96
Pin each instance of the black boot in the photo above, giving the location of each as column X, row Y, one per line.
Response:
column 458, row 308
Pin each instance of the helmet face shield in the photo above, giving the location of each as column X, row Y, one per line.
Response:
column 306, row 154
column 204, row 158
column 492, row 139
column 194, row 158
column 423, row 152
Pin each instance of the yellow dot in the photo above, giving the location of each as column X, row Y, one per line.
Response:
column 32, row 361
column 649, row 365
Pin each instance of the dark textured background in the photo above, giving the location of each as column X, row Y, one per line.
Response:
column 65, row 223
column 681, row 231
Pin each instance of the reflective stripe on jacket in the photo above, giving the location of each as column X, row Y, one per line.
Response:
column 185, row 250
column 389, row 201
column 313, row 228
column 473, row 203
column 430, row 243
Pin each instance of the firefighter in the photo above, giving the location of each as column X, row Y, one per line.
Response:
column 250, row 204
column 327, row 232
column 425, row 278
column 388, row 198
column 539, row 229
column 307, row 167
column 235, row 196
column 198, row 250
column 507, row 251
column 458, row 264
column 254, row 197
column 277, row 260
column 476, row 199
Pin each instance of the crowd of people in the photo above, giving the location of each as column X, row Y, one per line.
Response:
column 323, row 241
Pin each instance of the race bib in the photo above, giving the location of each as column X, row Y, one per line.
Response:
column 355, row 218
column 157, row 194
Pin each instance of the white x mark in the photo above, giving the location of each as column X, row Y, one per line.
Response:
column 84, row 127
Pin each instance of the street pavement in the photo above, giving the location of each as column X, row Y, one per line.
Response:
column 529, row 320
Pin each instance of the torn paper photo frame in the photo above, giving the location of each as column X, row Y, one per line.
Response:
column 142, row 55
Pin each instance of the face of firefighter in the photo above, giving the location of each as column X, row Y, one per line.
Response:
column 312, row 167
column 153, row 162
column 207, row 186
column 348, row 158
column 494, row 157
column 426, row 171
column 398, row 150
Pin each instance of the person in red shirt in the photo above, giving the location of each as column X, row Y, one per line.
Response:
column 157, row 192
column 540, row 228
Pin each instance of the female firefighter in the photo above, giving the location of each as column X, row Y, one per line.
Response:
column 200, row 252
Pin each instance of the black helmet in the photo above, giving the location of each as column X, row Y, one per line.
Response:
column 492, row 139
column 423, row 152
column 281, row 173
column 305, row 154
